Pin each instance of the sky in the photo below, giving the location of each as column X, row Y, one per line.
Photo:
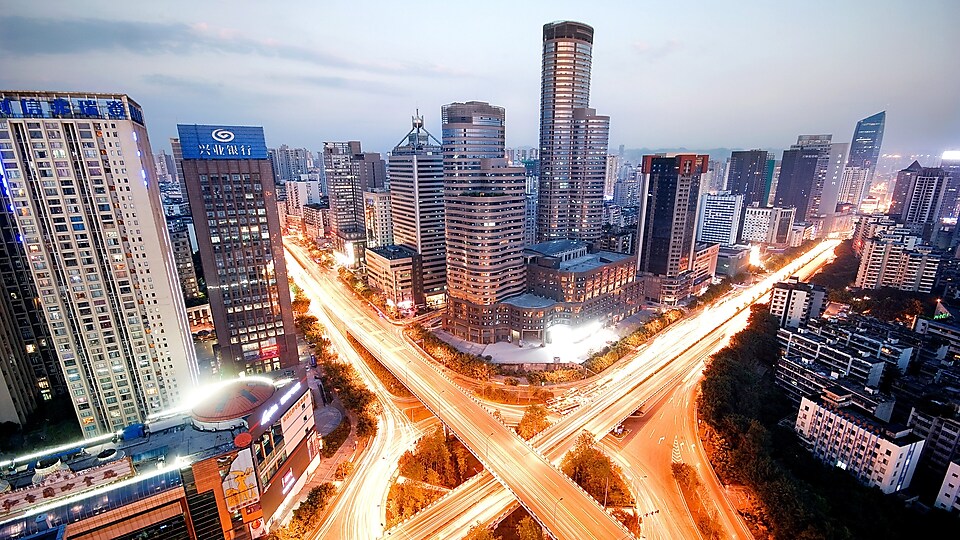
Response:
column 670, row 74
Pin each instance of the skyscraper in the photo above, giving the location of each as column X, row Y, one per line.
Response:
column 720, row 217
column 918, row 197
column 416, row 202
column 377, row 217
column 350, row 172
column 84, row 196
column 667, row 228
column 746, row 175
column 867, row 138
column 573, row 138
column 232, row 193
column 797, row 183
column 484, row 202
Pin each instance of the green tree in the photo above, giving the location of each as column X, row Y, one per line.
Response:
column 528, row 529
column 534, row 421
column 592, row 470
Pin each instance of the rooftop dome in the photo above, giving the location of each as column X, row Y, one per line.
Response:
column 232, row 401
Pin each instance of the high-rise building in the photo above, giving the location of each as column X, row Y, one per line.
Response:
column 950, row 163
column 865, row 146
column 746, row 175
column 350, row 172
column 484, row 201
column 416, row 202
column 289, row 163
column 84, row 196
column 177, row 228
column 896, row 257
column 918, row 197
column 377, row 218
column 667, row 231
column 231, row 187
column 166, row 168
column 769, row 225
column 720, row 218
column 573, row 138
column 610, row 176
column 302, row 191
column 797, row 181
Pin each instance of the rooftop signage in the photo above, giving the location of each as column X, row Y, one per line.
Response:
column 222, row 142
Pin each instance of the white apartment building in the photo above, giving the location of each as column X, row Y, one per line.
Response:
column 719, row 218
column 378, row 218
column 770, row 225
column 794, row 302
column 948, row 498
column 895, row 258
column 302, row 192
column 86, row 203
column 878, row 455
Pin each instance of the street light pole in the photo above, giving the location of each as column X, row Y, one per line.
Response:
column 555, row 509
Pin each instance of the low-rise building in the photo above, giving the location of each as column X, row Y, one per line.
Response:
column 397, row 272
column 840, row 434
column 733, row 260
column 316, row 220
column 769, row 225
column 948, row 498
column 939, row 427
column 861, row 369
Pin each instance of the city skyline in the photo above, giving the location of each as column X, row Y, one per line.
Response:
column 332, row 82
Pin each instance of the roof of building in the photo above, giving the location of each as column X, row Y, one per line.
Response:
column 392, row 252
column 733, row 250
column 592, row 261
column 529, row 301
column 555, row 247
column 234, row 400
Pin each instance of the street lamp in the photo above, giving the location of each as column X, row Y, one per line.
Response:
column 486, row 451
column 555, row 509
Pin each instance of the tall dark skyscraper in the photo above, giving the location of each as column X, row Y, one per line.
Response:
column 669, row 213
column 865, row 147
column 573, row 138
column 231, row 187
column 485, row 209
column 747, row 175
column 798, row 175
column 416, row 200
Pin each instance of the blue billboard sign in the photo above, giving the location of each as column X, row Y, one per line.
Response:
column 222, row 142
column 48, row 105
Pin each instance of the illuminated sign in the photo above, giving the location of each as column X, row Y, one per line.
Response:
column 110, row 108
column 270, row 351
column 222, row 142
column 287, row 481
column 240, row 483
column 268, row 414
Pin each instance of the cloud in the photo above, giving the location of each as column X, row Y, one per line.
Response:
column 657, row 52
column 29, row 36
column 183, row 84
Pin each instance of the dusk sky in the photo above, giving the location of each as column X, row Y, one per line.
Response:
column 669, row 73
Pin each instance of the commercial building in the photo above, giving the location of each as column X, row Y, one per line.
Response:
column 484, row 210
column 948, row 498
column 397, row 272
column 573, row 138
column 349, row 172
column 733, row 260
column 794, row 303
column 378, row 218
column 839, row 434
column 668, row 223
column 83, row 194
column 227, row 468
column 316, row 219
column 231, row 187
column 770, row 225
column 416, row 201
column 797, row 186
column 865, row 145
column 720, row 218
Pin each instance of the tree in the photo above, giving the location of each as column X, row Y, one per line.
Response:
column 479, row 532
column 534, row 421
column 528, row 529
column 592, row 470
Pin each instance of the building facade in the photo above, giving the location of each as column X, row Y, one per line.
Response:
column 378, row 218
column 84, row 196
column 720, row 218
column 770, row 225
column 573, row 138
column 746, row 176
column 397, row 272
column 484, row 205
column 349, row 172
column 232, row 192
column 794, row 303
column 416, row 202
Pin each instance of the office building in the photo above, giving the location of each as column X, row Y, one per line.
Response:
column 720, row 218
column 610, row 176
column 771, row 225
column 573, row 138
column 166, row 168
column 803, row 173
column 397, row 273
column 840, row 434
column 794, row 303
column 349, row 172
column 733, row 260
column 667, row 229
column 289, row 163
column 377, row 217
column 84, row 196
column 747, row 176
column 484, row 209
column 232, row 192
column 717, row 176
column 416, row 202
column 865, row 145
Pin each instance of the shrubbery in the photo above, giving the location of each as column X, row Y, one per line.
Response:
column 467, row 364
